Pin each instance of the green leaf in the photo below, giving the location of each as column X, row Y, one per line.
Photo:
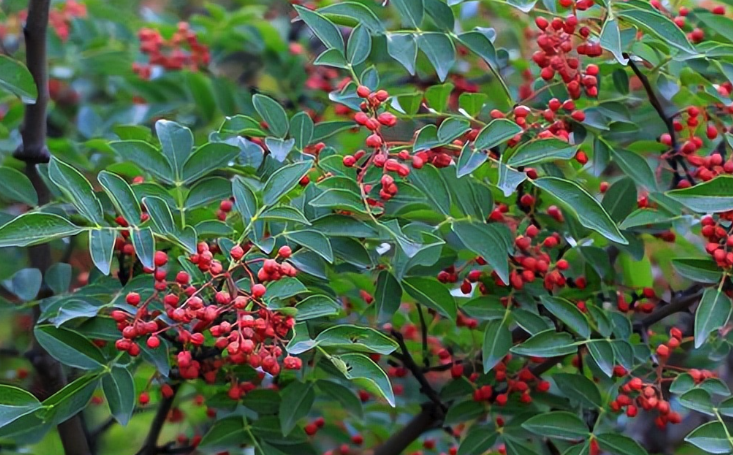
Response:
column 351, row 14
column 323, row 28
column 440, row 14
column 431, row 293
column 244, row 199
column 74, row 397
column 588, row 211
column 472, row 103
column 619, row 444
column 509, row 179
column 540, row 151
column 611, row 40
column 160, row 215
column 403, row 48
column 101, row 248
column 297, row 400
column 497, row 343
column 283, row 180
column 119, row 389
column 437, row 96
column 314, row 241
column 69, row 347
column 207, row 191
column 478, row 42
column 144, row 243
column 713, row 196
column 579, row 388
column 15, row 403
column 430, row 182
column 635, row 166
column 496, row 133
column 122, row 196
column 548, row 343
column 451, row 129
column 340, row 199
column 26, row 283
column 682, row 384
column 208, row 158
column 490, row 241
column 225, row 433
column 343, row 395
column 712, row 313
column 439, row 50
column 469, row 160
column 365, row 373
column 724, row 408
column 301, row 129
column 16, row 79
column 387, row 296
column 720, row 24
column 659, row 26
column 557, row 424
column 284, row 213
column 355, row 338
column 411, row 11
column 77, row 188
column 316, row 306
column 359, row 45
column 58, row 277
column 703, row 270
column 478, row 440
column 464, row 411
column 176, row 142
column 568, row 313
column 711, row 437
column 146, row 157
column 272, row 113
column 698, row 400
column 15, row 186
column 34, row 228
column 524, row 6
column 602, row 352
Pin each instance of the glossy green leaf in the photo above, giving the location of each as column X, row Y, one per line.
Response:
column 301, row 129
column 478, row 440
column 272, row 113
column 354, row 338
column 16, row 79
column 431, row 293
column 497, row 343
column 411, row 11
column 430, row 182
column 69, row 347
column 119, row 389
column 540, row 151
column 297, row 400
column 351, row 14
column 283, row 180
column 548, row 343
column 618, row 444
column 176, row 143
column 603, row 353
column 122, row 196
column 557, row 424
column 588, row 211
column 101, row 248
column 658, row 25
column 15, row 403
column 698, row 400
column 712, row 313
column 74, row 397
column 144, row 243
column 387, row 297
column 365, row 373
column 496, row 133
column 439, row 49
column 568, row 313
column 316, row 306
column 77, row 188
column 208, row 158
column 146, row 157
column 713, row 196
column 703, row 270
column 244, row 199
column 314, row 241
column 15, row 186
column 323, row 28
column 611, row 40
column 359, row 45
column 490, row 241
column 710, row 437
column 34, row 228
column 403, row 48
column 579, row 388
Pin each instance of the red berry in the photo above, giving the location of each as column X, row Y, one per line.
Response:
column 258, row 290
column 160, row 258
column 133, row 298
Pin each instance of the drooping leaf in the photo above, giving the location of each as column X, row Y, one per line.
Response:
column 588, row 211
column 490, row 241
column 122, row 196
column 323, row 28
column 101, row 248
column 297, row 400
column 403, row 48
column 301, row 129
column 568, row 313
column 119, row 389
column 440, row 51
column 69, row 347
column 387, row 296
column 497, row 343
column 363, row 371
column 712, row 314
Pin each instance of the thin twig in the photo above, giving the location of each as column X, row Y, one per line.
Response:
column 424, row 332
column 417, row 372
column 150, row 447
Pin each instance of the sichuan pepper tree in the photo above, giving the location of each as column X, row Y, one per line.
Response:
column 344, row 227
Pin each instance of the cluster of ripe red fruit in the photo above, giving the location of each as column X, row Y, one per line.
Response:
column 237, row 318
column 648, row 397
column 556, row 57
column 522, row 384
column 182, row 51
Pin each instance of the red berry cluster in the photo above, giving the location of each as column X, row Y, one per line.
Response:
column 182, row 51
column 635, row 394
column 719, row 239
column 244, row 330
column 556, row 55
